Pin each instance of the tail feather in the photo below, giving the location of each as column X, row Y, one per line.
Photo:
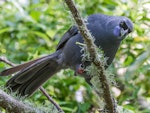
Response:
column 31, row 70
column 43, row 76
column 28, row 70
column 29, row 79
column 19, row 67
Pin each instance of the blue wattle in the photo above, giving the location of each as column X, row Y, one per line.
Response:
column 117, row 31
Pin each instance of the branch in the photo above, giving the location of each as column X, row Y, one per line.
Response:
column 91, row 47
column 51, row 100
column 5, row 60
column 14, row 106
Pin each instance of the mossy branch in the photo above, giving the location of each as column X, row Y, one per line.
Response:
column 91, row 48
column 13, row 105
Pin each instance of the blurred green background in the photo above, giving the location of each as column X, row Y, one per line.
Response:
column 32, row 28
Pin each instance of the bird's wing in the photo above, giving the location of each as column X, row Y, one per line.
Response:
column 70, row 33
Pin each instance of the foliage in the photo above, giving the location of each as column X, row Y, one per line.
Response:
column 30, row 29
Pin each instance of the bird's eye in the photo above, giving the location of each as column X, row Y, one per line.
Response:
column 82, row 66
column 123, row 25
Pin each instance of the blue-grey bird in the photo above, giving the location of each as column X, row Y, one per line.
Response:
column 108, row 32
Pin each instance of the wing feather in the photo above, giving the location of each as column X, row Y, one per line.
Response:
column 70, row 33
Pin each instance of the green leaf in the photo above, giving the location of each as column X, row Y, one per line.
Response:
column 42, row 35
column 4, row 30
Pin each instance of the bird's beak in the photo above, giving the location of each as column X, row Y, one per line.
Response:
column 124, row 32
column 126, row 28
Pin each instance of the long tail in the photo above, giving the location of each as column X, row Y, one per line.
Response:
column 33, row 74
column 17, row 68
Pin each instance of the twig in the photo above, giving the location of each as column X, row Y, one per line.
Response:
column 50, row 99
column 91, row 47
column 5, row 60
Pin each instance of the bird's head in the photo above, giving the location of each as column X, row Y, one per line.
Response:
column 120, row 27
